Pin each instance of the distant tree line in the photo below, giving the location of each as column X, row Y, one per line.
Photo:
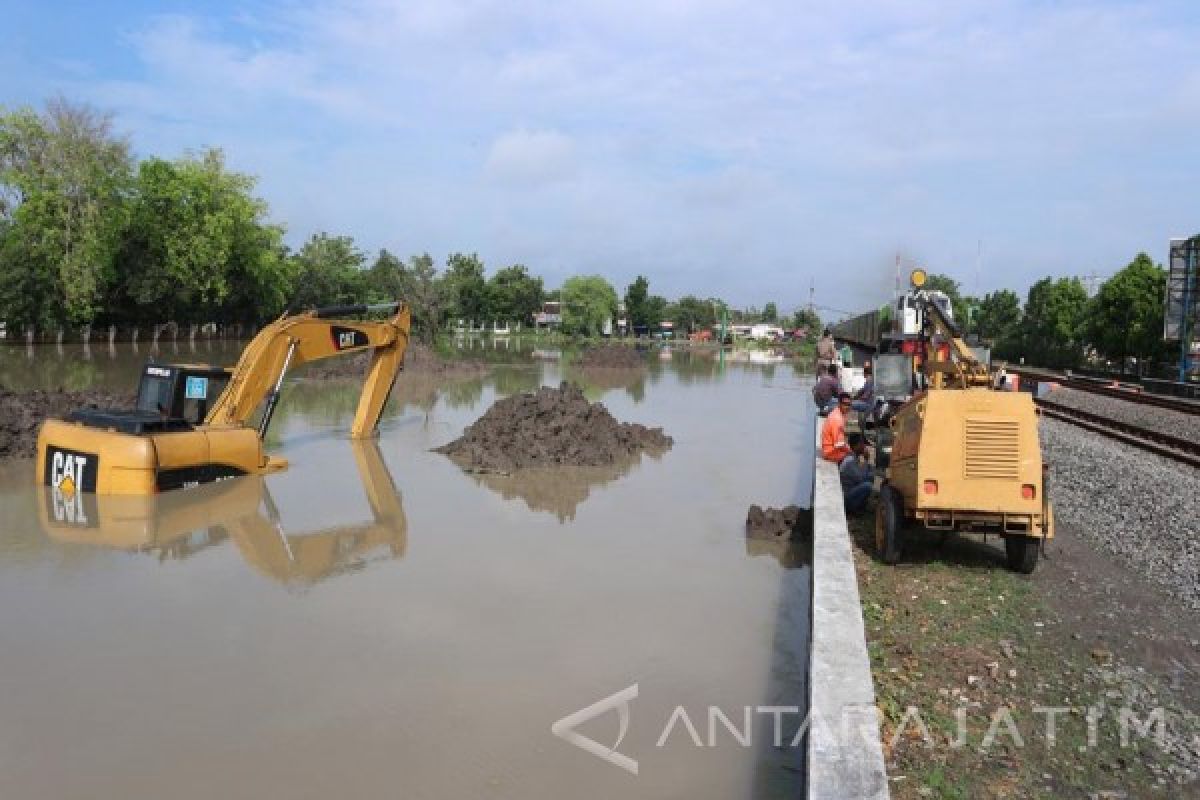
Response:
column 89, row 235
column 1060, row 326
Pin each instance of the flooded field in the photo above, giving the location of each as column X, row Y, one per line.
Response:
column 374, row 622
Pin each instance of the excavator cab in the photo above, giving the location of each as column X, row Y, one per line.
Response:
column 171, row 397
column 181, row 391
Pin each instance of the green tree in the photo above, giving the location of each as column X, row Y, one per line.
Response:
column 385, row 279
column 946, row 284
column 770, row 313
column 329, row 272
column 656, row 310
column 429, row 294
column 1055, row 313
column 636, row 296
column 999, row 320
column 588, row 301
column 64, row 178
column 1125, row 318
column 691, row 313
column 464, row 273
column 808, row 319
column 197, row 246
column 514, row 295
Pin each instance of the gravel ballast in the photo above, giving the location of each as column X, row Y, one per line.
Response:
column 1136, row 505
column 1161, row 420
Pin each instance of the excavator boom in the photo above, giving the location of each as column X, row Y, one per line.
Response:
column 962, row 366
column 292, row 341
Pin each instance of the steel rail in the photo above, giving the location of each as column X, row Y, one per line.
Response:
column 1097, row 386
column 1175, row 448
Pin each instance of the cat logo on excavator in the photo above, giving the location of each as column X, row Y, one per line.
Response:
column 175, row 439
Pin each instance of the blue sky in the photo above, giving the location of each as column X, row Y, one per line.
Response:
column 736, row 149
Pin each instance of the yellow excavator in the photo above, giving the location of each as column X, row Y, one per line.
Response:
column 964, row 457
column 192, row 424
column 179, row 524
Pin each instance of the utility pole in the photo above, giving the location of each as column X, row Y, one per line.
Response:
column 978, row 264
column 1185, row 322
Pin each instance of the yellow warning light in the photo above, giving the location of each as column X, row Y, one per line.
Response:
column 918, row 277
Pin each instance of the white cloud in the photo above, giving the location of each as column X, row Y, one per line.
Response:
column 739, row 146
column 524, row 159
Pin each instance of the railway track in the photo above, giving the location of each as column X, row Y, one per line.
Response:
column 1103, row 387
column 1175, row 448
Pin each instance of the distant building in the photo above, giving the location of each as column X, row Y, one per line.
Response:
column 550, row 316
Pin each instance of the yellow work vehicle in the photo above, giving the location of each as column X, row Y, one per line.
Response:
column 964, row 457
column 175, row 438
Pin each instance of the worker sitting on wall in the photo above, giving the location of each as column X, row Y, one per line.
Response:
column 826, row 352
column 864, row 398
column 826, row 389
column 858, row 478
column 833, row 436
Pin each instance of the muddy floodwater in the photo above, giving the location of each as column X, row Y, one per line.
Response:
column 375, row 622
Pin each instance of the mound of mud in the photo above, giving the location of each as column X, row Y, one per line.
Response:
column 547, row 428
column 774, row 524
column 21, row 414
column 418, row 358
column 611, row 356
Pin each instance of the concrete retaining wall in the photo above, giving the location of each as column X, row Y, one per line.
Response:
column 845, row 754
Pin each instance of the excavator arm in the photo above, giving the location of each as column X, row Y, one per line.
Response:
column 293, row 340
column 962, row 366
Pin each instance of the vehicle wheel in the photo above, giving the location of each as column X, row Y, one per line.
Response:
column 1022, row 553
column 889, row 523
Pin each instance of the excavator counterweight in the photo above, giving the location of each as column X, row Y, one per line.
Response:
column 176, row 438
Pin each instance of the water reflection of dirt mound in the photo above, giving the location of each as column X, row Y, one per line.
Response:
column 551, row 427
column 557, row 490
column 606, row 378
column 612, row 357
column 21, row 414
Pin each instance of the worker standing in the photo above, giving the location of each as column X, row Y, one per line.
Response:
column 864, row 398
column 826, row 389
column 826, row 352
column 833, row 435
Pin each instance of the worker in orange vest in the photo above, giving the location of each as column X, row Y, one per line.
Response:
column 834, row 446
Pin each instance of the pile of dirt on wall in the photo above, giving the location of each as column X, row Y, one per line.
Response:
column 778, row 524
column 551, row 427
column 418, row 358
column 611, row 356
column 21, row 414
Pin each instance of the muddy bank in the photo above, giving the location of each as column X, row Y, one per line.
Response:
column 611, row 356
column 419, row 358
column 21, row 414
column 775, row 524
column 550, row 427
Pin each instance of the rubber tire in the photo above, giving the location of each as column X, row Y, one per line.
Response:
column 1022, row 553
column 889, row 525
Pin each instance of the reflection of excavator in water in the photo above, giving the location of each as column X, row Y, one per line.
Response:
column 178, row 524
column 964, row 457
column 175, row 439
